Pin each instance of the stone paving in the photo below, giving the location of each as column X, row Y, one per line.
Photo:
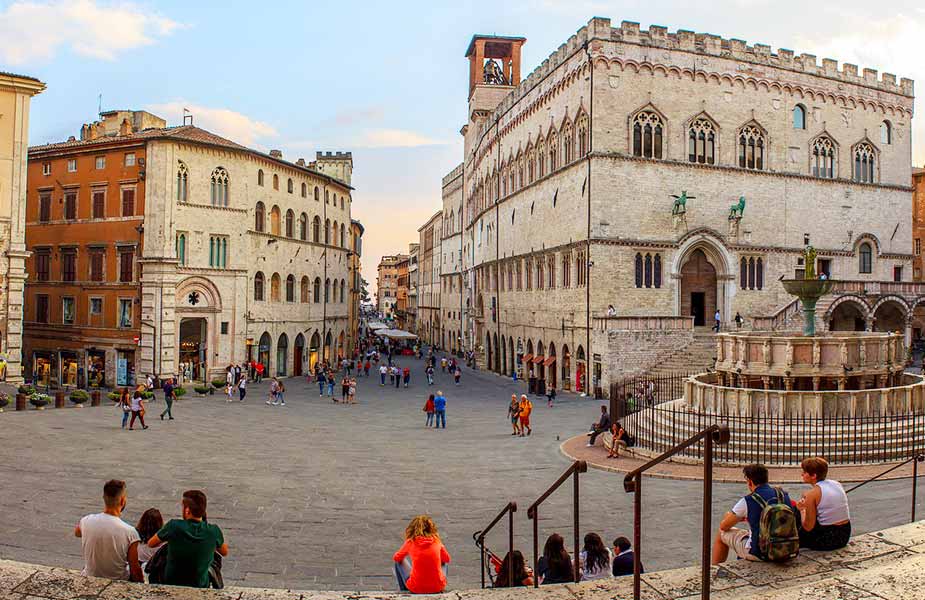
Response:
column 316, row 495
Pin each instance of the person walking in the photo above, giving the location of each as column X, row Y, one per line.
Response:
column 456, row 375
column 382, row 372
column 259, row 370
column 352, row 392
column 429, row 371
column 396, row 370
column 513, row 412
column 366, row 367
column 716, row 319
column 138, row 411
column 443, row 364
column 526, row 407
column 242, row 386
column 280, row 390
column 321, row 379
column 125, row 402
column 170, row 395
column 271, row 395
column 406, row 376
column 429, row 409
column 344, row 388
column 439, row 410
column 331, row 384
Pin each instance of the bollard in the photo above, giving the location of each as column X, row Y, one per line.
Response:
column 95, row 398
column 20, row 402
column 59, row 399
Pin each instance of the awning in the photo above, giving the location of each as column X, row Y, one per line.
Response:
column 396, row 334
column 549, row 361
column 528, row 357
column 375, row 326
column 537, row 359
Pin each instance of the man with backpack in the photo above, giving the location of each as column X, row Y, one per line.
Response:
column 773, row 526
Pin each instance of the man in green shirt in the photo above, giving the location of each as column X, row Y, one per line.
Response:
column 191, row 543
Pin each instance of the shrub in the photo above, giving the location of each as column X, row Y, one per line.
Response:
column 202, row 389
column 38, row 400
column 218, row 383
column 4, row 400
column 147, row 395
column 26, row 389
column 79, row 396
column 179, row 391
column 114, row 396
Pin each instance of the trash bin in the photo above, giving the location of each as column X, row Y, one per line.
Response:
column 541, row 387
column 531, row 385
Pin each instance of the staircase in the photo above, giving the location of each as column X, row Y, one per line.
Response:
column 696, row 356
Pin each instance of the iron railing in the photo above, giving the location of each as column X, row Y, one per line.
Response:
column 915, row 460
column 632, row 483
column 479, row 536
column 774, row 439
column 646, row 390
column 577, row 467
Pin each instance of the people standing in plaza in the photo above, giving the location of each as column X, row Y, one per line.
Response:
column 443, row 364
column 383, row 370
column 271, row 393
column 429, row 409
column 344, row 388
column 366, row 367
column 513, row 411
column 320, row 379
column 420, row 563
column 109, row 544
column 429, row 371
column 439, row 410
column 739, row 320
column 456, row 375
column 826, row 521
column 280, row 391
column 125, row 403
column 191, row 543
column 717, row 320
column 138, row 411
column 352, row 392
column 396, row 370
column 550, row 395
column 259, row 370
column 526, row 407
column 170, row 395
column 242, row 386
column 331, row 383
column 406, row 376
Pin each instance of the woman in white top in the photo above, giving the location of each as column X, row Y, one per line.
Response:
column 595, row 558
column 148, row 525
column 826, row 522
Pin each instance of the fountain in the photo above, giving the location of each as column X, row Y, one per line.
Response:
column 808, row 290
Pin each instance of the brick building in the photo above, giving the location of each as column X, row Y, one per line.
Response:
column 429, row 257
column 387, row 285
column 918, row 220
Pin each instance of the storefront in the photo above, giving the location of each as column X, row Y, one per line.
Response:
column 193, row 349
column 69, row 369
column 44, row 367
column 96, row 368
column 125, row 367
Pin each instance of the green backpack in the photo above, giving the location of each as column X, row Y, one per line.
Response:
column 778, row 536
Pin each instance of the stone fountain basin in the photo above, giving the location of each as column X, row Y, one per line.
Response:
column 807, row 288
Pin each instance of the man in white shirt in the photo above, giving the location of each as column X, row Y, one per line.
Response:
column 109, row 544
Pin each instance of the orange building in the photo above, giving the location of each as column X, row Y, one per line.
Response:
column 84, row 228
column 918, row 220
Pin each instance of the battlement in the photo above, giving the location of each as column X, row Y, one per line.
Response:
column 333, row 155
column 454, row 174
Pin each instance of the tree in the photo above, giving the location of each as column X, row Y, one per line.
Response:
column 364, row 291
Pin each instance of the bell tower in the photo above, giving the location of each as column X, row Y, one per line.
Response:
column 494, row 63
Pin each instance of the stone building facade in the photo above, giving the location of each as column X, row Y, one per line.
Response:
column 411, row 324
column 671, row 174
column 16, row 92
column 356, row 282
column 387, row 285
column 918, row 220
column 452, row 290
column 430, row 325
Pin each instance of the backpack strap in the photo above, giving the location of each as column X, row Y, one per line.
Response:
column 780, row 495
column 757, row 498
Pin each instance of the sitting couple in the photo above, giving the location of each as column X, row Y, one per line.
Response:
column 777, row 527
column 615, row 437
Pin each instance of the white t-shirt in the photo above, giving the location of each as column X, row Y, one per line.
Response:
column 136, row 403
column 105, row 540
column 383, row 369
column 603, row 573
column 741, row 510
column 146, row 553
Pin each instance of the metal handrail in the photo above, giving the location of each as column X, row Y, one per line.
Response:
column 578, row 467
column 915, row 460
column 479, row 536
column 632, row 483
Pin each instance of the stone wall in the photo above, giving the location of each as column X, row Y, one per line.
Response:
column 628, row 353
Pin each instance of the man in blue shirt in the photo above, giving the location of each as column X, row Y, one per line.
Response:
column 744, row 542
column 440, row 410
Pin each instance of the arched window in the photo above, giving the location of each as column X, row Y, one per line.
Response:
column 864, row 160
column 886, row 133
column 759, row 274
column 275, row 181
column 327, row 196
column 290, row 223
column 799, row 117
column 743, row 273
column 316, row 229
column 701, row 142
column 567, row 156
column 539, row 274
column 540, row 158
column 647, row 134
column 304, row 190
column 181, row 249
column 260, row 217
column 303, row 290
column 258, row 286
column 274, row 287
column 290, row 289
column 290, row 186
column 182, row 182
column 638, row 264
column 751, row 273
column 751, row 147
column 274, row 220
column 566, row 270
column 317, row 194
column 531, row 166
column 219, row 187
column 865, row 258
column 583, row 139
column 553, row 151
column 303, row 227
column 823, row 158
column 334, row 233
column 327, row 231
column 648, row 270
column 343, row 236
column 316, row 290
column 327, row 290
column 657, row 278
column 260, row 177
column 343, row 290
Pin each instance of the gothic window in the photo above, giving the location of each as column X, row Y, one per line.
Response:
column 305, row 190
column 289, row 186
column 520, row 172
column 258, row 286
column 743, row 273
column 343, row 290
column 260, row 177
column 529, row 274
column 553, row 151
column 327, row 231
column 327, row 290
column 181, row 250
column 701, row 142
column 290, row 289
column 182, row 182
column 317, row 194
column 751, row 148
column 648, row 131
column 219, row 187
column 580, row 266
column 647, row 270
column 864, row 161
column 539, row 274
column 551, row 271
column 316, row 229
column 275, row 182
column 260, row 216
column 583, row 139
column 751, row 273
column 540, row 159
column 567, row 156
column 799, row 117
column 303, row 290
column 657, row 278
column 531, row 166
column 503, row 183
column 334, row 233
column 303, row 227
column 886, row 133
column 566, row 269
column 865, row 258
column 759, row 274
column 519, row 275
column 274, row 220
column 274, row 288
column 316, row 290
column 290, row 223
column 822, row 160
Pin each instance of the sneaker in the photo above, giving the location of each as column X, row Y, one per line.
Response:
column 589, row 445
column 269, row 403
column 170, row 419
column 275, row 403
column 162, row 417
column 282, row 404
column 145, row 427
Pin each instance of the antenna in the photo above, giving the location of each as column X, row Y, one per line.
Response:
column 187, row 115
column 99, row 106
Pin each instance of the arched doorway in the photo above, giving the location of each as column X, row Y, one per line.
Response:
column 511, row 358
column 194, row 348
column 528, row 360
column 551, row 363
column 890, row 316
column 314, row 347
column 282, row 354
column 580, row 370
column 298, row 355
column 488, row 362
column 503, row 356
column 538, row 361
column 497, row 365
column 698, row 288
column 566, row 368
column 341, row 346
column 328, row 343
column 263, row 351
column 848, row 315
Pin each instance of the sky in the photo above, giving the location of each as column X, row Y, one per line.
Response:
column 384, row 80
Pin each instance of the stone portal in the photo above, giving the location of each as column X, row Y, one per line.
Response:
column 698, row 288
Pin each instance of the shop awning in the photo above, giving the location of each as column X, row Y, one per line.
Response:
column 538, row 359
column 527, row 357
column 396, row 334
column 549, row 361
column 376, row 325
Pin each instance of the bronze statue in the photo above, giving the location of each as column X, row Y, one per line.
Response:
column 680, row 203
column 809, row 254
column 737, row 210
column 492, row 73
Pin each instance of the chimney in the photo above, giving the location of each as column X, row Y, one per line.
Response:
column 84, row 132
column 300, row 162
column 125, row 128
column 72, row 139
column 94, row 131
column 276, row 154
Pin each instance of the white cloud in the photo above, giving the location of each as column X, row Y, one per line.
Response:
column 393, row 138
column 233, row 125
column 35, row 31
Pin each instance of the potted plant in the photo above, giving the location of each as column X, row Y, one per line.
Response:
column 39, row 401
column 179, row 391
column 78, row 397
column 28, row 390
column 147, row 395
column 4, row 401
column 202, row 390
column 114, row 396
column 218, row 383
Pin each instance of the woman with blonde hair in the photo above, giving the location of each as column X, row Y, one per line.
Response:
column 420, row 564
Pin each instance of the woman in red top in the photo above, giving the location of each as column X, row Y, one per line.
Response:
column 420, row 564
